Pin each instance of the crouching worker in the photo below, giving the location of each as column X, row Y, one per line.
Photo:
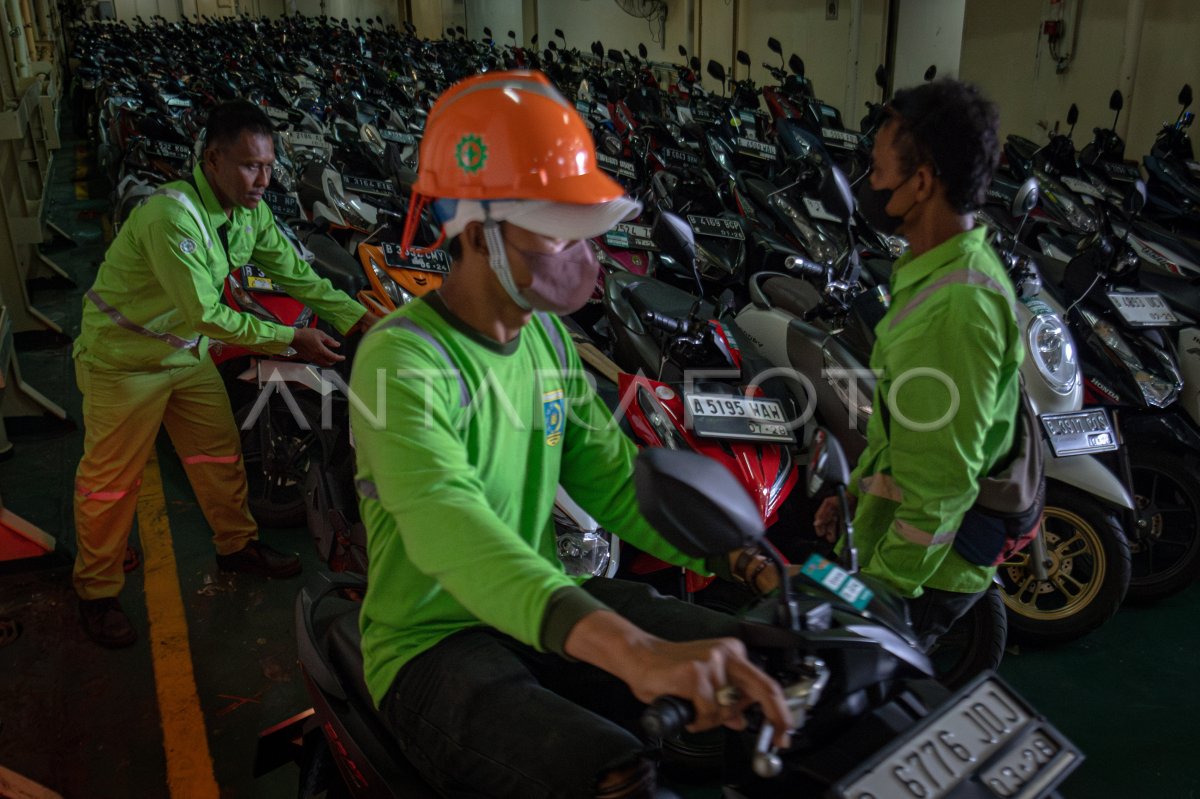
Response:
column 498, row 673
column 142, row 358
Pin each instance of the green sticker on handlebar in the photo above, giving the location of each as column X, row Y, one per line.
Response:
column 834, row 578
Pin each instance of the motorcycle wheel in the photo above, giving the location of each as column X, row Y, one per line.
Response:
column 1088, row 572
column 974, row 644
column 277, row 452
column 1166, row 547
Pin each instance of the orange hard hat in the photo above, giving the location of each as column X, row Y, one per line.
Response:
column 510, row 136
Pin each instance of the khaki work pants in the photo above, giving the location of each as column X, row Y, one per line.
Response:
column 122, row 412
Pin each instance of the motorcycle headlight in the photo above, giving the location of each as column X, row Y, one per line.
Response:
column 1156, row 391
column 283, row 176
column 896, row 245
column 1080, row 218
column 1053, row 352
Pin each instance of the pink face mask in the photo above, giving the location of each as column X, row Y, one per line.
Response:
column 562, row 281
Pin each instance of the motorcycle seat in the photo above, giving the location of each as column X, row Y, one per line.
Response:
column 791, row 294
column 333, row 262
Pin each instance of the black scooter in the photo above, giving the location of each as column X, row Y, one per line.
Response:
column 867, row 719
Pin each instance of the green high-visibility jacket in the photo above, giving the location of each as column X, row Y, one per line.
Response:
column 947, row 356
column 156, row 302
column 462, row 443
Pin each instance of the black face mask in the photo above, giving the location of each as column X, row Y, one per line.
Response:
column 872, row 203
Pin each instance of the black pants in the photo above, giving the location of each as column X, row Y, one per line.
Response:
column 934, row 612
column 481, row 714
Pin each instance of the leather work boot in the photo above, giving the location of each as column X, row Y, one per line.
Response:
column 106, row 623
column 258, row 558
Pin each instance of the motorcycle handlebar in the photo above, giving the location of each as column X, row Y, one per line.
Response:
column 667, row 716
column 798, row 263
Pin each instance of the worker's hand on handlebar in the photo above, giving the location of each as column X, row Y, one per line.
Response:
column 827, row 522
column 314, row 345
column 716, row 676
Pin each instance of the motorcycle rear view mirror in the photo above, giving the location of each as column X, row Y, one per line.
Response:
column 551, row 46
column 559, row 33
column 827, row 464
column 683, row 51
column 743, row 58
column 796, row 65
column 774, row 46
column 881, row 77
column 533, row 40
column 694, row 64
column 512, row 35
column 1185, row 95
column 1026, row 198
column 642, row 51
column 931, row 73
column 674, row 236
column 837, row 195
column 694, row 502
column 716, row 70
column 1135, row 198
column 616, row 55
column 487, row 31
column 1115, row 101
column 598, row 50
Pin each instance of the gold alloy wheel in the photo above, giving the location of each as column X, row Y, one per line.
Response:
column 1076, row 570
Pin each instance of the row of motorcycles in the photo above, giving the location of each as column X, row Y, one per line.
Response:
column 730, row 329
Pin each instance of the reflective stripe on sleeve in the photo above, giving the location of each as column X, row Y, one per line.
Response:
column 881, row 485
column 915, row 535
column 123, row 321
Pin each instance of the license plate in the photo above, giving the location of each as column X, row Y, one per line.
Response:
column 817, row 210
column 583, row 108
column 630, row 237
column 1121, row 171
column 680, row 156
column 437, row 261
column 398, row 137
column 304, row 138
column 167, row 149
column 1143, row 309
column 277, row 114
column 834, row 578
column 254, row 279
column 616, row 166
column 716, row 226
column 744, row 418
column 179, row 102
column 840, row 136
column 1079, row 432
column 1081, row 187
column 756, row 148
column 981, row 736
column 380, row 188
column 284, row 206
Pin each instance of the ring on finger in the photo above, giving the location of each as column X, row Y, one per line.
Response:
column 728, row 696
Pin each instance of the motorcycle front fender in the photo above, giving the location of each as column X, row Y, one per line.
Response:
column 1087, row 474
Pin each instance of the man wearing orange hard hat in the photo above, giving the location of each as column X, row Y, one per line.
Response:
column 498, row 672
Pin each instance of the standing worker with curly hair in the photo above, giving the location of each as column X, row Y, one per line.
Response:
column 947, row 355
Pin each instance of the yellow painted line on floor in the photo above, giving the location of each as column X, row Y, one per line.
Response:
column 189, row 764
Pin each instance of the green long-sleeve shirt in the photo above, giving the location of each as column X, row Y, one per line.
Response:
column 165, row 272
column 950, row 323
column 457, row 480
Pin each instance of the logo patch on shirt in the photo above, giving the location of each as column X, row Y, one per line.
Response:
column 187, row 246
column 554, row 412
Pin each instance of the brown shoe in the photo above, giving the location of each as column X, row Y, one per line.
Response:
column 258, row 558
column 106, row 623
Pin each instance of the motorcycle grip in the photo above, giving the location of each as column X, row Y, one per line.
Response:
column 664, row 322
column 804, row 266
column 667, row 716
